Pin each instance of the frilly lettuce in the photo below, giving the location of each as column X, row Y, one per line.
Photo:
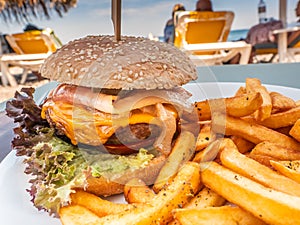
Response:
column 58, row 168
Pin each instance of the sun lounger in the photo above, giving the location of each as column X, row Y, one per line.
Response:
column 203, row 35
column 31, row 49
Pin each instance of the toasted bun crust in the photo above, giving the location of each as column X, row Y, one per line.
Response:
column 132, row 63
column 104, row 187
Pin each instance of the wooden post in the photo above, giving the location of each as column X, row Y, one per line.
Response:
column 282, row 37
column 116, row 17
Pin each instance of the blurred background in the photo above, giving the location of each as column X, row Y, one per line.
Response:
column 142, row 17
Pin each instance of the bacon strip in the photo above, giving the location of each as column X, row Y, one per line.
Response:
column 164, row 142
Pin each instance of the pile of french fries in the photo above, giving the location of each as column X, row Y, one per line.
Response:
column 245, row 170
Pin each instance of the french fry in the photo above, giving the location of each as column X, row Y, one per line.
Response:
column 271, row 206
column 224, row 215
column 237, row 106
column 206, row 107
column 240, row 91
column 295, row 130
column 254, row 85
column 136, row 191
column 209, row 153
column 184, row 186
column 182, row 151
column 243, row 105
column 242, row 144
column 206, row 198
column 239, row 163
column 284, row 130
column 97, row 205
column 251, row 131
column 204, row 137
column 289, row 169
column 281, row 103
column 77, row 215
column 199, row 156
column 282, row 119
column 179, row 192
column 262, row 159
column 275, row 151
column 256, row 169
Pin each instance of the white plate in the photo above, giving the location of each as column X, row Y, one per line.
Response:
column 15, row 205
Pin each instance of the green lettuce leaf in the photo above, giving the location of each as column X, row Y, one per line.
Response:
column 57, row 167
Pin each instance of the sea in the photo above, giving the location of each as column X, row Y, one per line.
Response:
column 234, row 35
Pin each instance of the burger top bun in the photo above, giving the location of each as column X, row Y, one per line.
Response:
column 132, row 63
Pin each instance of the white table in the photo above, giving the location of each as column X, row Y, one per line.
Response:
column 282, row 42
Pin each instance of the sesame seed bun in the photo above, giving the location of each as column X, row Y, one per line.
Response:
column 132, row 63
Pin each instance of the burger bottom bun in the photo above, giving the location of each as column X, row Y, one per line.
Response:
column 102, row 186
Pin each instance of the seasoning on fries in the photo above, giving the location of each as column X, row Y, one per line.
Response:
column 289, row 169
column 271, row 206
column 245, row 168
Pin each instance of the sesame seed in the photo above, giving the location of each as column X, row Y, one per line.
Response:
column 95, row 70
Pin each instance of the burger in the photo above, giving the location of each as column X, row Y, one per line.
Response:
column 114, row 115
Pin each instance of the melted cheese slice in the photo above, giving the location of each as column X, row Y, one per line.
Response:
column 93, row 127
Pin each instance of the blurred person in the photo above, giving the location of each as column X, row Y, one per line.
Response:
column 295, row 34
column 262, row 33
column 4, row 45
column 31, row 27
column 204, row 5
column 169, row 27
column 298, row 12
column 258, row 34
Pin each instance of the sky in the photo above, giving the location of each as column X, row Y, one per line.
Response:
column 141, row 17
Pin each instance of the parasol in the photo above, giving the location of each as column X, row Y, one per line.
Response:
column 283, row 11
column 116, row 17
column 23, row 10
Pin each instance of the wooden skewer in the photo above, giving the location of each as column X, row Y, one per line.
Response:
column 116, row 17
